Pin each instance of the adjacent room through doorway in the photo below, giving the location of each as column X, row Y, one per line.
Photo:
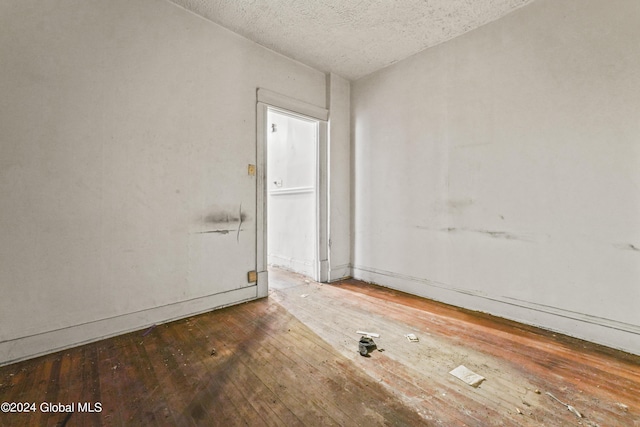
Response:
column 292, row 183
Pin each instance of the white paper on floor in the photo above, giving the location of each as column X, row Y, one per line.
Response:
column 412, row 337
column 467, row 375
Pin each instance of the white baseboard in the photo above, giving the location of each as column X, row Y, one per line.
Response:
column 304, row 267
column 18, row 349
column 608, row 332
column 339, row 272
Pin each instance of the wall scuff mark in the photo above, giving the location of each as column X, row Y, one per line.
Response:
column 495, row 234
column 240, row 215
column 222, row 221
column 627, row 247
column 222, row 217
column 215, row 231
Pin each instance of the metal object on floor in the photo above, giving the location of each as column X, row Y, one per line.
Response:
column 366, row 346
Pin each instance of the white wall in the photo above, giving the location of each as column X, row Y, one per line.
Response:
column 339, row 93
column 126, row 128
column 500, row 171
column 292, row 193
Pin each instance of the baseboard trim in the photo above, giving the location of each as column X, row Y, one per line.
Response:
column 339, row 272
column 304, row 267
column 608, row 332
column 36, row 345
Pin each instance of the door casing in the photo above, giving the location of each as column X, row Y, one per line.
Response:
column 267, row 99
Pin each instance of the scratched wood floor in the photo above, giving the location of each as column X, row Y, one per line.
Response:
column 291, row 359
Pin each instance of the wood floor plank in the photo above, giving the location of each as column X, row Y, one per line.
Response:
column 112, row 355
column 299, row 408
column 236, row 410
column 211, row 399
column 266, row 353
column 71, row 382
column 168, row 366
column 91, row 391
column 42, row 381
column 51, row 393
column 251, row 355
column 233, row 408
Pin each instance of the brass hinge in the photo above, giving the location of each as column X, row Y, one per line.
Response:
column 252, row 276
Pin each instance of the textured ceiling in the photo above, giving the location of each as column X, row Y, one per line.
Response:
column 351, row 38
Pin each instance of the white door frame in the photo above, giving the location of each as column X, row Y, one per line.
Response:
column 266, row 99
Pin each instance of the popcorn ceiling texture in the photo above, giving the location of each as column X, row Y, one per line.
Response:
column 351, row 38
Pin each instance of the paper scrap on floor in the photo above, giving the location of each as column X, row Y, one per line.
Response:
column 412, row 337
column 368, row 334
column 468, row 376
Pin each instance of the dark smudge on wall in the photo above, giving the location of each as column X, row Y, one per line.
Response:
column 225, row 217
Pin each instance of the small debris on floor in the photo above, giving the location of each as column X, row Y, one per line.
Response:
column 569, row 407
column 468, row 376
column 213, row 352
column 518, row 411
column 412, row 337
column 366, row 346
column 381, row 350
column 148, row 331
column 304, row 295
column 368, row 334
column 622, row 406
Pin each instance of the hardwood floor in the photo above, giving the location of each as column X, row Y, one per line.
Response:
column 521, row 363
column 292, row 359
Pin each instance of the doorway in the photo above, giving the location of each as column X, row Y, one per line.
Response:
column 292, row 170
column 292, row 225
